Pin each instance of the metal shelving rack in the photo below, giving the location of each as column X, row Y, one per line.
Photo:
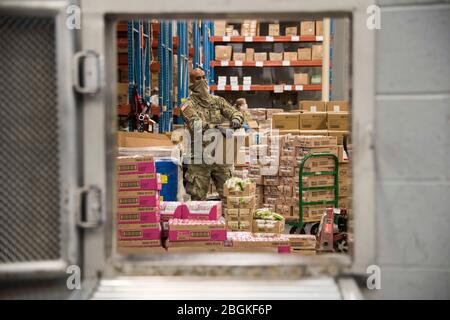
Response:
column 138, row 33
column 182, row 63
column 165, row 77
column 324, row 63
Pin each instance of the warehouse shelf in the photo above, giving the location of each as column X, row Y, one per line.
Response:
column 268, row 87
column 302, row 63
column 266, row 39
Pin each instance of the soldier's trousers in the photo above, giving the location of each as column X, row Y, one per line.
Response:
column 198, row 177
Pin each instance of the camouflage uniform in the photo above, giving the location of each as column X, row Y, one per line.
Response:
column 247, row 116
column 210, row 112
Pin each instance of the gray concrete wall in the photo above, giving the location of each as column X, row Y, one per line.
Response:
column 412, row 150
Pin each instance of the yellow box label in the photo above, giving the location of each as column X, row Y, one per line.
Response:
column 164, row 178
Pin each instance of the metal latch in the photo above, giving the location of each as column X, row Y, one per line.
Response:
column 87, row 72
column 90, row 213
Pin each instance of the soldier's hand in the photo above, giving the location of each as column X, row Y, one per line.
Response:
column 235, row 124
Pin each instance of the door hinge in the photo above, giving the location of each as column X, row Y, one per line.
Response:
column 90, row 211
column 87, row 72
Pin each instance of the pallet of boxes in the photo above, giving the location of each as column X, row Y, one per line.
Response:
column 138, row 205
column 250, row 229
column 194, row 226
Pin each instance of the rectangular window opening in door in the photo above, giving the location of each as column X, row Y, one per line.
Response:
column 233, row 141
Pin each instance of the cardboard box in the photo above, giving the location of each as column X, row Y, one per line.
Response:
column 196, row 230
column 308, row 28
column 271, row 180
column 291, row 31
column 345, row 190
column 302, row 241
column 136, row 182
column 339, row 135
column 270, row 112
column 337, row 106
column 244, row 202
column 122, row 93
column 136, row 199
column 338, row 121
column 318, row 195
column 269, row 170
column 286, row 171
column 322, row 162
column 267, row 226
column 219, row 27
column 274, row 29
column 139, row 232
column 316, row 141
column 312, row 106
column 135, row 165
column 142, row 139
column 249, row 54
column 301, row 151
column 301, row 78
column 314, row 213
column 344, row 170
column 344, row 202
column 172, row 210
column 239, row 56
column 316, row 52
column 194, row 244
column 341, row 154
column 318, row 181
column 313, row 121
column 275, row 56
column 139, row 243
column 304, row 54
column 144, row 247
column 256, row 241
column 138, row 215
column 290, row 56
column 202, row 210
column 260, row 56
column 223, row 53
column 248, row 190
column 319, row 28
column 286, row 121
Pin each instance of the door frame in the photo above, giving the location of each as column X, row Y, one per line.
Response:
column 68, row 141
column 98, row 21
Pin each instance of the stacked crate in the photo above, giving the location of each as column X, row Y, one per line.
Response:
column 293, row 149
column 138, row 204
column 240, row 207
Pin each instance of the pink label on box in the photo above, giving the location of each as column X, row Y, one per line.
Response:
column 284, row 249
column 141, row 167
column 139, row 234
column 138, row 217
column 143, row 201
column 194, row 235
column 145, row 184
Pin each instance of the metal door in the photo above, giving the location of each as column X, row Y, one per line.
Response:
column 42, row 222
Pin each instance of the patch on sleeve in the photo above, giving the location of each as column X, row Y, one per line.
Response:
column 184, row 105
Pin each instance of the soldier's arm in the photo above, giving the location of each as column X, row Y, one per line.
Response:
column 229, row 112
column 191, row 116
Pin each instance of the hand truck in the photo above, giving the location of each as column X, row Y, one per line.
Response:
column 299, row 225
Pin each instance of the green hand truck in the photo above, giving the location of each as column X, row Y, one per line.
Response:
column 299, row 225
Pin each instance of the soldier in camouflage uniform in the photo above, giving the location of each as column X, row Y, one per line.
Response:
column 209, row 109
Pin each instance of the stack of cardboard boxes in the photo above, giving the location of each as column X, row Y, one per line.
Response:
column 304, row 244
column 240, row 206
column 138, row 205
column 250, row 28
column 315, row 118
